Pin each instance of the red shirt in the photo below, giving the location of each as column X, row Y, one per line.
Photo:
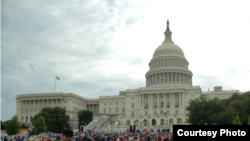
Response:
column 159, row 138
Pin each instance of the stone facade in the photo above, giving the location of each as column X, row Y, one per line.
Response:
column 160, row 104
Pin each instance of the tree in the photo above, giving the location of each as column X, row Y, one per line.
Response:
column 13, row 126
column 237, row 121
column 84, row 117
column 40, row 125
column 55, row 119
column 167, row 130
column 23, row 126
column 200, row 110
column 249, row 121
column 224, row 117
column 245, row 112
column 138, row 131
column 2, row 126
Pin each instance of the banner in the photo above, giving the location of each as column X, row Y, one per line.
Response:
column 211, row 132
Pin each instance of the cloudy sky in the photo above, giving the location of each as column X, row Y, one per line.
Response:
column 101, row 47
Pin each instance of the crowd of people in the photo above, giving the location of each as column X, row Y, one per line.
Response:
column 68, row 135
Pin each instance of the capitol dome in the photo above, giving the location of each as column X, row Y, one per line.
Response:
column 168, row 47
column 168, row 65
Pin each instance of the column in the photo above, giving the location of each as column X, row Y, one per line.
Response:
column 160, row 77
column 150, row 78
column 168, row 77
column 143, row 101
column 171, row 77
column 173, row 100
column 158, row 105
column 153, row 79
column 152, row 96
column 176, row 78
column 38, row 106
column 164, row 101
column 148, row 100
column 184, row 78
column 179, row 99
column 140, row 101
column 25, row 106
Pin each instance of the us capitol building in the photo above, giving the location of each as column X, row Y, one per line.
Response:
column 159, row 105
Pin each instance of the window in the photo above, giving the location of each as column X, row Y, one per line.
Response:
column 132, row 114
column 177, row 103
column 116, row 103
column 109, row 103
column 132, row 97
column 154, row 112
column 168, row 103
column 109, row 110
column 123, row 110
column 64, row 101
column 155, row 104
column 132, row 105
column 146, row 113
column 116, row 109
column 161, row 96
column 104, row 110
column 104, row 103
column 167, row 112
column 147, row 104
column 176, row 112
column 161, row 104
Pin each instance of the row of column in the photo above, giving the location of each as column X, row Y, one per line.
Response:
column 37, row 105
column 93, row 107
column 172, row 77
column 172, row 100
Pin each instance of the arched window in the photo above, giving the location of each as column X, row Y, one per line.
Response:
column 145, row 122
column 128, row 122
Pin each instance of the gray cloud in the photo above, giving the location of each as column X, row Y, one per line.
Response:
column 42, row 39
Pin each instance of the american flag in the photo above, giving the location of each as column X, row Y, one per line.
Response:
column 164, row 77
column 57, row 78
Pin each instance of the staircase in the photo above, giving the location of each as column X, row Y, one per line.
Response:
column 113, row 118
column 95, row 126
column 102, row 123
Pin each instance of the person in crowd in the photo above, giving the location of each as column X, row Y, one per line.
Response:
column 25, row 139
column 68, row 135
column 85, row 138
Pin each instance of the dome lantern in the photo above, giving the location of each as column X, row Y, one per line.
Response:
column 168, row 34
